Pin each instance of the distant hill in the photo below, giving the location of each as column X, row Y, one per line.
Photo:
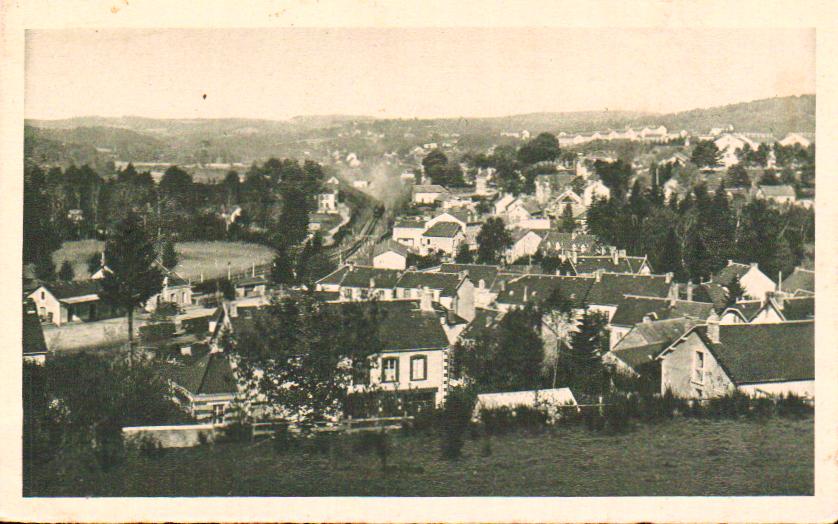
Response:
column 242, row 139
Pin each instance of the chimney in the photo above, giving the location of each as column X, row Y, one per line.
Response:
column 622, row 253
column 755, row 265
column 780, row 281
column 668, row 277
column 647, row 319
column 690, row 290
column 598, row 275
column 615, row 257
column 426, row 300
column 526, row 289
column 372, row 283
column 351, row 266
column 713, row 328
column 673, row 294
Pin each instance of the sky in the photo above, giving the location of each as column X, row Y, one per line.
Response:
column 386, row 73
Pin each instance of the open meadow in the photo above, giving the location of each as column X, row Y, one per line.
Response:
column 196, row 258
column 682, row 457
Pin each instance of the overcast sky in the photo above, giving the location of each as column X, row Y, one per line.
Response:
column 279, row 73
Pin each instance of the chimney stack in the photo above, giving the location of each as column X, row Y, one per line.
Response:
column 426, row 300
column 713, row 328
column 598, row 275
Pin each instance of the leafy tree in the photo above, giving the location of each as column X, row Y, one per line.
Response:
column 492, row 241
column 434, row 160
column 66, row 273
column 282, row 270
column 177, row 184
column 464, row 255
column 581, row 366
column 543, row 147
column 169, row 257
column 769, row 178
column 313, row 262
column 615, row 175
column 301, row 355
column 134, row 276
column 669, row 258
column 231, row 188
column 737, row 176
column 735, row 292
column 45, row 268
column 568, row 222
column 507, row 358
column 559, row 316
column 706, row 154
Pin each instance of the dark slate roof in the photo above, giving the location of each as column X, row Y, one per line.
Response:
column 33, row 334
column 175, row 280
column 429, row 188
column 363, row 276
column 778, row 191
column 747, row 308
column 406, row 329
column 800, row 279
column 612, row 287
column 251, row 281
column 588, row 264
column 335, row 277
column 559, row 241
column 210, row 374
column 733, row 269
column 631, row 310
column 754, row 353
column 63, row 290
column 708, row 292
column 538, row 288
column 476, row 272
column 407, row 222
column 443, row 230
column 447, row 283
column 484, row 321
column 647, row 339
column 798, row 308
column 389, row 245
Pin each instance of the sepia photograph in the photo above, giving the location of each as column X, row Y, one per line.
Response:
column 417, row 262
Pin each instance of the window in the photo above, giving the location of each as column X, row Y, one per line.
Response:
column 419, row 367
column 389, row 369
column 699, row 367
column 217, row 413
column 43, row 295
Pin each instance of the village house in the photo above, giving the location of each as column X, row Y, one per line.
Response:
column 176, row 290
column 635, row 353
column 523, row 290
column 445, row 237
column 501, row 204
column 781, row 308
column 204, row 386
column 252, row 286
column 327, row 201
column 525, row 242
column 783, row 194
column 712, row 360
column 453, row 291
column 34, row 345
column 793, row 139
column 800, row 282
column 428, row 194
column 728, row 144
column 609, row 290
column 408, row 231
column 617, row 261
column 633, row 310
column 413, row 363
column 484, row 278
column 389, row 255
column 64, row 302
column 754, row 282
column 595, row 190
column 558, row 242
column 521, row 210
column 550, row 185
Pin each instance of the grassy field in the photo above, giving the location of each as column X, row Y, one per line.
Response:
column 209, row 258
column 680, row 457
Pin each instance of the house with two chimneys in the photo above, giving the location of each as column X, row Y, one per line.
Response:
column 763, row 359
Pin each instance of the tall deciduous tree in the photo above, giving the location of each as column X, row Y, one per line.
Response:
column 507, row 358
column 301, row 355
column 66, row 273
column 544, row 147
column 134, row 274
column 492, row 241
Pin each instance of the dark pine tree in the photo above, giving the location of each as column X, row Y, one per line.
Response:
column 134, row 275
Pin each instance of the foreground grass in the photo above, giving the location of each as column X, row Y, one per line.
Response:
column 209, row 258
column 680, row 457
